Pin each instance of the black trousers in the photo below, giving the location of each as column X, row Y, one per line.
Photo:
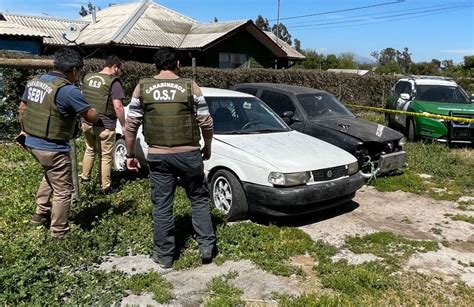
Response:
column 164, row 172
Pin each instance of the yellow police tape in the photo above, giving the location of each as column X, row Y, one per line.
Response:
column 415, row 114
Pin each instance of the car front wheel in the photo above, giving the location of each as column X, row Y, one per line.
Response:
column 228, row 196
column 119, row 156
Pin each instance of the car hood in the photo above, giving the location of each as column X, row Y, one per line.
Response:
column 444, row 108
column 361, row 129
column 288, row 151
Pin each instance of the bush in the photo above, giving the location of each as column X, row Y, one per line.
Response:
column 369, row 90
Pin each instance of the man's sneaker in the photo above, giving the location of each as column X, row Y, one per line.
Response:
column 85, row 181
column 164, row 264
column 37, row 220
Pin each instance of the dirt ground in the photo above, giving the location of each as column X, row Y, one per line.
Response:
column 407, row 214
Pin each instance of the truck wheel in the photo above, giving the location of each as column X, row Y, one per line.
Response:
column 120, row 150
column 228, row 196
column 411, row 130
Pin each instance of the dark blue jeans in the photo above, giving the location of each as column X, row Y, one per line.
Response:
column 164, row 172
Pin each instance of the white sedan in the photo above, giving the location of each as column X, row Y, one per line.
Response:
column 259, row 164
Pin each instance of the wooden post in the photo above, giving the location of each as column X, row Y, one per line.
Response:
column 75, row 178
column 26, row 63
column 193, row 61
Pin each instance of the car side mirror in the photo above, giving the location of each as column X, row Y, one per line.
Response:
column 405, row 96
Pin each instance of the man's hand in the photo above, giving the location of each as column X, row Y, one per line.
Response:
column 20, row 139
column 133, row 164
column 206, row 153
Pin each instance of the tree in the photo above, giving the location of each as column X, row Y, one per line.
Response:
column 282, row 33
column 404, row 60
column 346, row 61
column 391, row 67
column 425, row 68
column 83, row 12
column 468, row 64
column 297, row 43
column 312, row 60
column 331, row 62
column 262, row 23
column 215, row 19
column 90, row 8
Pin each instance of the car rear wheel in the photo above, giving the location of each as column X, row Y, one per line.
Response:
column 119, row 156
column 228, row 196
column 411, row 130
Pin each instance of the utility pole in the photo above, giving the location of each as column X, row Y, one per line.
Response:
column 277, row 30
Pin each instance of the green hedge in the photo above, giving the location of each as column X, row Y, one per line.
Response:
column 367, row 90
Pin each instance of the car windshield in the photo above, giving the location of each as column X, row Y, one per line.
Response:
column 323, row 106
column 439, row 93
column 243, row 115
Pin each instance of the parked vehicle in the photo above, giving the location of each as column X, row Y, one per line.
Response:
column 378, row 149
column 431, row 95
column 259, row 164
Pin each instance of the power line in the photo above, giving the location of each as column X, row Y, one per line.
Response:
column 339, row 11
column 382, row 21
column 311, row 22
column 382, row 17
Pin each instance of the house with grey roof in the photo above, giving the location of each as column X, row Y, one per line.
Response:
column 17, row 38
column 134, row 30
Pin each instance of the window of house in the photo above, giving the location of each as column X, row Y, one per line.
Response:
column 233, row 60
column 278, row 102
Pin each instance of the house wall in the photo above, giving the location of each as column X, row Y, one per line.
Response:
column 31, row 45
column 241, row 42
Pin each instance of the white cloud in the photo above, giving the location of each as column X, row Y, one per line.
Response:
column 459, row 51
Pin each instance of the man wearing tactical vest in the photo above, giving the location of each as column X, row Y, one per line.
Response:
column 104, row 91
column 48, row 115
column 173, row 112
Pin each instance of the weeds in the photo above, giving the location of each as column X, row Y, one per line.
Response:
column 463, row 217
column 222, row 293
column 446, row 165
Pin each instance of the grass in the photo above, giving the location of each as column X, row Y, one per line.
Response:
column 463, row 217
column 35, row 270
column 221, row 293
column 447, row 166
column 466, row 205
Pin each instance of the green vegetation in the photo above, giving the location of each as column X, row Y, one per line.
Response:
column 447, row 166
column 463, row 217
column 151, row 282
column 389, row 246
column 35, row 270
column 466, row 205
column 221, row 293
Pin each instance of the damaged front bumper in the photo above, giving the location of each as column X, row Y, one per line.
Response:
column 388, row 163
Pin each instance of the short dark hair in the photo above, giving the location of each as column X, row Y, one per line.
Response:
column 166, row 58
column 65, row 59
column 112, row 60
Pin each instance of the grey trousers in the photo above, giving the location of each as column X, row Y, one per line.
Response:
column 164, row 172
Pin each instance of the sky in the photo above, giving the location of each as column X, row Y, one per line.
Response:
column 430, row 29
